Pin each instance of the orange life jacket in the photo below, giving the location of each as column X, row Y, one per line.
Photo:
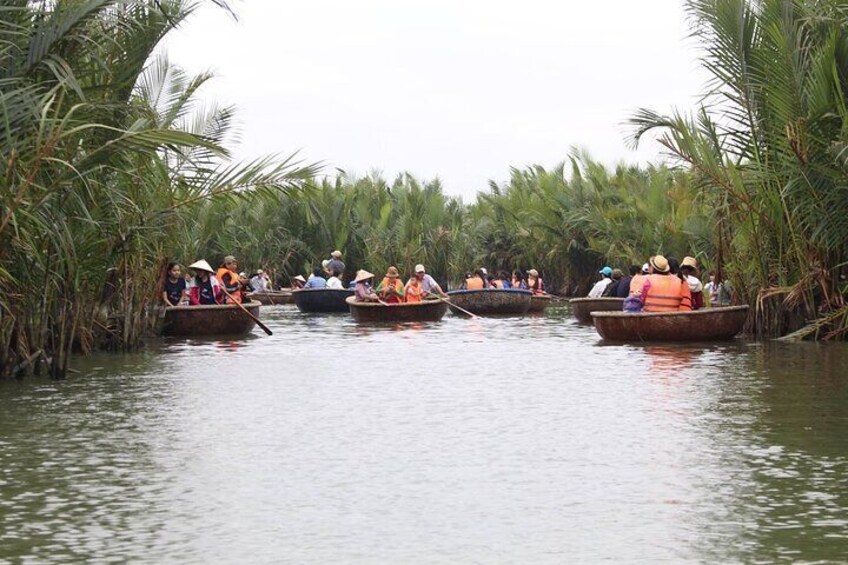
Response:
column 636, row 284
column 667, row 293
column 413, row 293
column 234, row 280
column 474, row 283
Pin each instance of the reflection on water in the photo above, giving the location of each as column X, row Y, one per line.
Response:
column 507, row 440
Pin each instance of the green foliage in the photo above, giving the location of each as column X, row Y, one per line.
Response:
column 105, row 159
column 768, row 150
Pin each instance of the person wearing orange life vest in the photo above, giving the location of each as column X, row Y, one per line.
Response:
column 230, row 280
column 664, row 291
column 413, row 291
column 475, row 281
column 391, row 288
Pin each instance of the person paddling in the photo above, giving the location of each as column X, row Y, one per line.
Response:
column 428, row 283
column 231, row 282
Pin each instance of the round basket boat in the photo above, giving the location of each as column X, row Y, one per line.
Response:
column 538, row 303
column 708, row 324
column 197, row 321
column 323, row 300
column 491, row 301
column 582, row 308
column 272, row 297
column 374, row 312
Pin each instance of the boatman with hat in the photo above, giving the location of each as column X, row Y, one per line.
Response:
column 428, row 283
column 335, row 263
column 230, row 280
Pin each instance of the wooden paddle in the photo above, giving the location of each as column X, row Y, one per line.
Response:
column 246, row 311
column 463, row 310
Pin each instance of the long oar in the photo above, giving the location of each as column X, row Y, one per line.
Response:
column 461, row 309
column 246, row 311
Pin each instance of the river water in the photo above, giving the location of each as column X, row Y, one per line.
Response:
column 487, row 441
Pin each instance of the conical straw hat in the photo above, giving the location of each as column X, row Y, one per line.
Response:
column 201, row 265
column 363, row 275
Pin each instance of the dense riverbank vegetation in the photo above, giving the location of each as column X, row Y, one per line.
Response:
column 110, row 167
column 105, row 157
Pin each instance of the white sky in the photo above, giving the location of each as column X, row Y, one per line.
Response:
column 459, row 89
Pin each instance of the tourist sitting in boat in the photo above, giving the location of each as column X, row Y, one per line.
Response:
column 518, row 280
column 175, row 291
column 611, row 289
column 391, row 288
column 633, row 301
column 335, row 280
column 688, row 269
column 600, row 286
column 413, row 291
column 260, row 282
column 535, row 284
column 623, row 288
column 428, row 283
column 363, row 291
column 718, row 293
column 205, row 288
column 335, row 264
column 231, row 282
column 502, row 281
column 316, row 280
column 475, row 281
column 663, row 291
column 298, row 282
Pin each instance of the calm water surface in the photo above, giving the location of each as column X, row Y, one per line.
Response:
column 490, row 441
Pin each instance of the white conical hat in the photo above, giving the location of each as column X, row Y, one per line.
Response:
column 201, row 265
column 363, row 275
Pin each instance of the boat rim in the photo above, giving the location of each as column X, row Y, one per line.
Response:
column 484, row 290
column 701, row 312
column 200, row 307
column 322, row 290
column 352, row 300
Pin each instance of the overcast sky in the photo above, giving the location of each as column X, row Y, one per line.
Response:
column 460, row 89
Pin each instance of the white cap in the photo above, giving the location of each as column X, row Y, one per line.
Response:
column 646, row 268
column 419, row 268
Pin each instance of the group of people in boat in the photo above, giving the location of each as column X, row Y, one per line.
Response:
column 661, row 285
column 392, row 290
column 328, row 275
column 207, row 286
column 481, row 279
